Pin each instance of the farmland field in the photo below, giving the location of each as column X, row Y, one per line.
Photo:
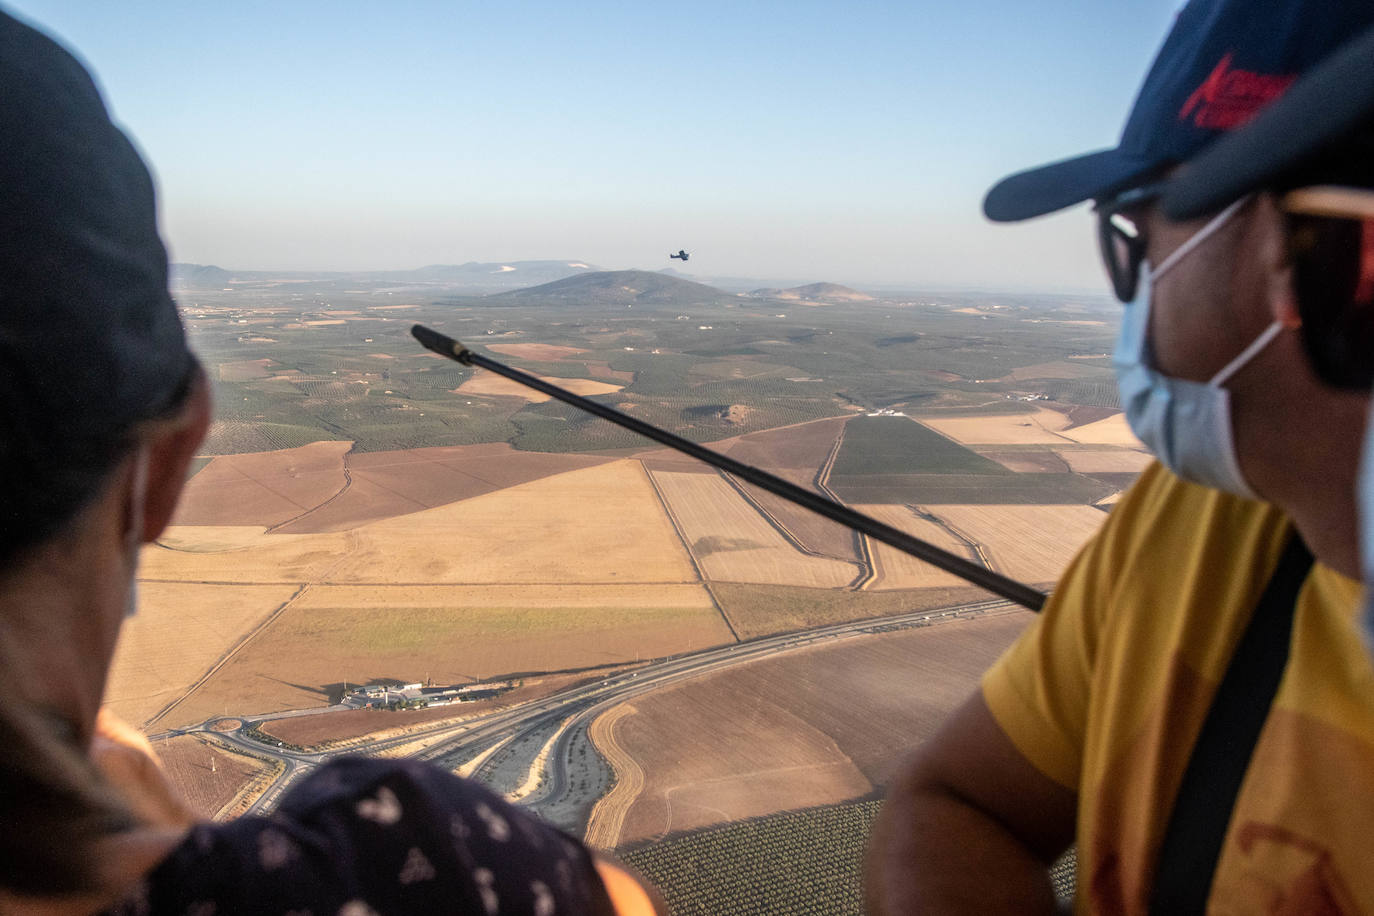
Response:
column 623, row 535
column 339, row 636
column 407, row 518
column 810, row 727
column 780, row 865
column 208, row 775
column 1030, row 543
column 732, row 542
column 895, row 569
column 897, row 445
column 179, row 632
column 1042, row 427
column 762, row 610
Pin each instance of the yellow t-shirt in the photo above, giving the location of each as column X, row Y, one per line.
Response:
column 1107, row 690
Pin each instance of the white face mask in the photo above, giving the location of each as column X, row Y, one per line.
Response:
column 133, row 537
column 1186, row 424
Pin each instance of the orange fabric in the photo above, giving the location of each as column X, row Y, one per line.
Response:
column 627, row 895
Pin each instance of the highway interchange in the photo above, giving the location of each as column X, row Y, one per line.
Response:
column 544, row 731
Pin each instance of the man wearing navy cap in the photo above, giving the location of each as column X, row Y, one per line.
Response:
column 1194, row 708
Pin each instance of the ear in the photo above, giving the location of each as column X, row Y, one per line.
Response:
column 1277, row 267
column 171, row 446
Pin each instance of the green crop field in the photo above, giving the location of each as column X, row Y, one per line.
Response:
column 787, row 864
column 897, row 445
column 971, row 489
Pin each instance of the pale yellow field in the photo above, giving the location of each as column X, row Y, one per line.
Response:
column 1111, row 431
column 180, row 631
column 1104, row 461
column 896, row 569
column 1030, row 543
column 1039, row 428
column 733, row 543
column 506, row 596
column 489, row 383
column 598, row 524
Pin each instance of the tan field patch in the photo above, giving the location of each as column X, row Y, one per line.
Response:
column 319, row 322
column 244, row 370
column 549, row 352
column 1043, row 427
column 493, row 385
column 895, row 569
column 1056, row 369
column 1030, row 543
column 816, row 726
column 380, row 356
column 732, row 542
column 600, row 524
column 180, row 631
column 1111, row 431
column 1105, row 461
column 1023, row 461
column 336, row 635
column 263, row 488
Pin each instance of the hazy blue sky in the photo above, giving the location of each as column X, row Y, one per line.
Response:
column 810, row 141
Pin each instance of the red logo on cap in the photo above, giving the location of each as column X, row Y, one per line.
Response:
column 1228, row 98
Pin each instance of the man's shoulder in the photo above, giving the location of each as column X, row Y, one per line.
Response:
column 1161, row 513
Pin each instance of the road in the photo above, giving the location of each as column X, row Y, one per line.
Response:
column 562, row 714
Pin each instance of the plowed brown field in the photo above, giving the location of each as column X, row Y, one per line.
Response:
column 386, row 484
column 263, row 488
column 207, row 775
column 811, row 727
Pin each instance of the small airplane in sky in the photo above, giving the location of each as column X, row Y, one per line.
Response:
column 680, row 254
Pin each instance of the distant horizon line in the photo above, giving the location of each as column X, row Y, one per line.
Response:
column 909, row 286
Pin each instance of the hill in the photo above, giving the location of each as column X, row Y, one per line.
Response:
column 815, row 292
column 198, row 276
column 621, row 287
column 475, row 277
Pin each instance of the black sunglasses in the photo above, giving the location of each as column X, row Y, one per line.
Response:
column 1121, row 238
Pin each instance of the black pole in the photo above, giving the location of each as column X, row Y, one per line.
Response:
column 967, row 570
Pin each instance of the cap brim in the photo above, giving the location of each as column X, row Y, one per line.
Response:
column 1325, row 104
column 1052, row 187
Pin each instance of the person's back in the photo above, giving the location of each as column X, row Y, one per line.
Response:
column 102, row 407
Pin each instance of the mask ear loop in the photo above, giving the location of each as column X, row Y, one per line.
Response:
column 1199, row 237
column 133, row 537
column 1249, row 353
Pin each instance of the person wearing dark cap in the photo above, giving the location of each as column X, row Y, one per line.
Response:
column 1194, row 706
column 102, row 406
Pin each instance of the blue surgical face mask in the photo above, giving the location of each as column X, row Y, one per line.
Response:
column 1186, row 424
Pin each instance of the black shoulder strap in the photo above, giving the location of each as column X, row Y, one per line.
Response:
column 1192, row 841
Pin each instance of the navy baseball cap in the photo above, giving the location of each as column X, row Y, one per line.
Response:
column 1222, row 62
column 1322, row 130
column 90, row 339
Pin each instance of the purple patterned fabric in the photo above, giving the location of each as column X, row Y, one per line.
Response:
column 365, row 837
